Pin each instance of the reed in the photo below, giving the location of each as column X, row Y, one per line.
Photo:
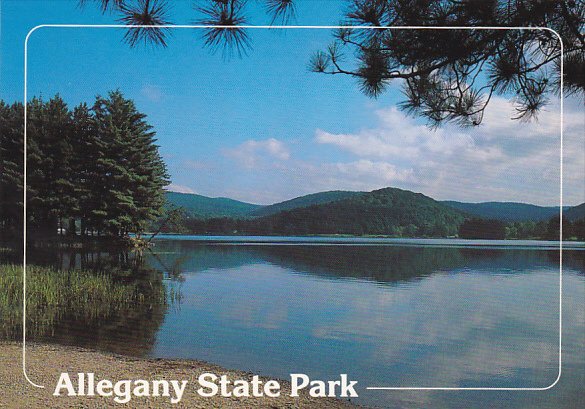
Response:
column 82, row 294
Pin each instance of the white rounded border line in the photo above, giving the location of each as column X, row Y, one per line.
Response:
column 303, row 27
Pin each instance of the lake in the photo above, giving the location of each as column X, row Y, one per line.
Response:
column 388, row 312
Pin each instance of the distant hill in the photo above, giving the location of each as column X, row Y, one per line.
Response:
column 575, row 212
column 388, row 211
column 506, row 211
column 383, row 211
column 305, row 201
column 204, row 207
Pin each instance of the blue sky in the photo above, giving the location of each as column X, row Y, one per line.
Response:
column 262, row 128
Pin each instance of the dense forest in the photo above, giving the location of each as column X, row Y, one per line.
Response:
column 507, row 211
column 387, row 212
column 91, row 170
column 203, row 207
column 469, row 228
column 305, row 201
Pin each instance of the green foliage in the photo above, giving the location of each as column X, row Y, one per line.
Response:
column 577, row 230
column 206, row 207
column 131, row 173
column 482, row 229
column 171, row 220
column 575, row 213
column 94, row 170
column 388, row 211
column 451, row 75
column 49, row 159
column 571, row 229
column 202, row 207
column 381, row 212
column 547, row 229
column 528, row 230
column 305, row 201
column 79, row 294
column 506, row 211
column 11, row 165
column 391, row 212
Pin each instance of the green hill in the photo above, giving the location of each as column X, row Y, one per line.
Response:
column 305, row 201
column 506, row 211
column 388, row 211
column 575, row 212
column 203, row 207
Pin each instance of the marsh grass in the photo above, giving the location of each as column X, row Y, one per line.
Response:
column 76, row 294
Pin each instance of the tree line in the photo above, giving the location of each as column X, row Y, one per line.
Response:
column 477, row 228
column 470, row 228
column 91, row 170
column 294, row 224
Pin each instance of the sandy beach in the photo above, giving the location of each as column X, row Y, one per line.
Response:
column 46, row 362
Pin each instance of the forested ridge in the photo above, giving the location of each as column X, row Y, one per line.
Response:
column 199, row 206
column 386, row 212
column 304, row 201
column 507, row 211
column 92, row 170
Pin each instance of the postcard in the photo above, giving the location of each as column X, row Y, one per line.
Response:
column 292, row 203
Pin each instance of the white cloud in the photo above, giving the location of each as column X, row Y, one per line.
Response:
column 383, row 170
column 396, row 136
column 497, row 120
column 502, row 159
column 252, row 152
column 179, row 188
column 367, row 143
column 298, row 177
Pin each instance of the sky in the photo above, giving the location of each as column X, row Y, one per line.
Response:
column 262, row 128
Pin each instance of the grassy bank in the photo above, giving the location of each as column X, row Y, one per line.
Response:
column 79, row 294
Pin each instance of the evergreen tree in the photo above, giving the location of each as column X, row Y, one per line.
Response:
column 86, row 151
column 131, row 171
column 11, row 165
column 482, row 229
column 37, row 209
column 50, row 192
column 99, row 167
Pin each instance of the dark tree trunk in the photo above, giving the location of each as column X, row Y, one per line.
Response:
column 71, row 230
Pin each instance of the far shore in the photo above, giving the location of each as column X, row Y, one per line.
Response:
column 342, row 238
column 46, row 362
column 352, row 236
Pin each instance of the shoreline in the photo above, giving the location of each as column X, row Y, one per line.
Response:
column 45, row 362
column 363, row 236
column 372, row 240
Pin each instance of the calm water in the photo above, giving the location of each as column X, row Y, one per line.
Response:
column 387, row 312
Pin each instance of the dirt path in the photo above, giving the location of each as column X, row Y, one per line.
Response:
column 46, row 362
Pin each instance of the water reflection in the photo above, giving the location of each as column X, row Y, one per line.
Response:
column 107, row 301
column 387, row 315
column 383, row 263
column 392, row 316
